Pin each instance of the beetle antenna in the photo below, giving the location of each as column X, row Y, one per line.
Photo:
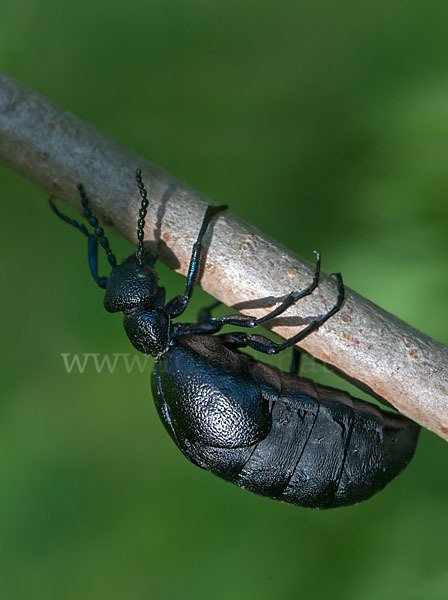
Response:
column 99, row 231
column 142, row 215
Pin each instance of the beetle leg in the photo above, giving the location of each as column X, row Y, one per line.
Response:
column 177, row 305
column 267, row 346
column 205, row 328
column 66, row 219
column 233, row 341
column 93, row 262
column 295, row 362
column 295, row 295
column 92, row 248
column 291, row 298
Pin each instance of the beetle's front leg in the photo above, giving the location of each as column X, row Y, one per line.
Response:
column 177, row 305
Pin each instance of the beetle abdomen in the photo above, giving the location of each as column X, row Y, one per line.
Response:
column 317, row 446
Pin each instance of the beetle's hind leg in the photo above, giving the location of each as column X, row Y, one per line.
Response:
column 295, row 361
column 233, row 341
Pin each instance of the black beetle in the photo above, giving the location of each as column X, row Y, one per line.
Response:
column 263, row 429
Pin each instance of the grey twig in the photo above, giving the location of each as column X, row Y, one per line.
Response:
column 56, row 150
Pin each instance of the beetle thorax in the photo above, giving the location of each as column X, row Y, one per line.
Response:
column 149, row 330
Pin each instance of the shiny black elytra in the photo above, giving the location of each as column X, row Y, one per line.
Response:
column 263, row 429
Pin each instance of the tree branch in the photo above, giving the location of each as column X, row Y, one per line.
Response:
column 56, row 150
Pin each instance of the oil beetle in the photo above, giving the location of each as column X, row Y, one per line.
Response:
column 267, row 431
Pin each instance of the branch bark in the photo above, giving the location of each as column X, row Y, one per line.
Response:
column 367, row 345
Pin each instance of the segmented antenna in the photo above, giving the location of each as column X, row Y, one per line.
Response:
column 142, row 215
column 99, row 231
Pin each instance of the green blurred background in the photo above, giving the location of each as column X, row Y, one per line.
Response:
column 323, row 123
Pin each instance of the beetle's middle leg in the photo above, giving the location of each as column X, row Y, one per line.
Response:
column 263, row 344
column 207, row 324
column 291, row 298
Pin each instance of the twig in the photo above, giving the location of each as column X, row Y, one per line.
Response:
column 56, row 150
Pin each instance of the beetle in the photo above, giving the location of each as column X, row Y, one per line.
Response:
column 265, row 430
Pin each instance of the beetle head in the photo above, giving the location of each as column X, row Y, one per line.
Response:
column 131, row 286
